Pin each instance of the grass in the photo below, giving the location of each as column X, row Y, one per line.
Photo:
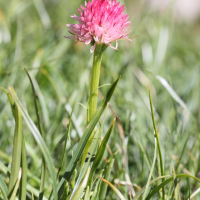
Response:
column 32, row 38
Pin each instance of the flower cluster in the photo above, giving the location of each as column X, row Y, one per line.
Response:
column 100, row 21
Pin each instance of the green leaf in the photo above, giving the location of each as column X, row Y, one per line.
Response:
column 17, row 146
column 155, row 190
column 17, row 143
column 87, row 194
column 101, row 151
column 172, row 92
column 73, row 178
column 14, row 191
column 43, row 171
column 106, row 174
column 3, row 188
column 65, row 146
column 119, row 194
column 88, row 131
column 92, row 151
column 158, row 142
column 96, row 190
column 78, row 193
column 193, row 194
column 67, row 135
column 151, row 172
column 66, row 191
column 143, row 189
column 98, row 136
column 38, row 138
column 23, row 183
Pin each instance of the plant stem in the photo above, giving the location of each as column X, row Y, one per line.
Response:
column 94, row 81
column 94, row 84
column 158, row 143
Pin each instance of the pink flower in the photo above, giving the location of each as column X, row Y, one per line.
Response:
column 100, row 21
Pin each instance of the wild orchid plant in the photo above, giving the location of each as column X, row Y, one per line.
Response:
column 101, row 22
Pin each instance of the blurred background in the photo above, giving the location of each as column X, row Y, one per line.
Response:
column 164, row 56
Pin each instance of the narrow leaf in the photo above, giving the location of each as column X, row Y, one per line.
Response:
column 14, row 192
column 43, row 171
column 172, row 92
column 96, row 191
column 155, row 190
column 119, row 194
column 87, row 194
column 3, row 188
column 152, row 168
column 143, row 189
column 101, row 151
column 194, row 194
column 83, row 184
column 85, row 137
column 23, row 183
column 158, row 142
column 106, row 174
column 17, row 143
column 65, row 145
column 67, row 135
column 38, row 138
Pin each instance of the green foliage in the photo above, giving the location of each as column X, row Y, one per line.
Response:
column 165, row 56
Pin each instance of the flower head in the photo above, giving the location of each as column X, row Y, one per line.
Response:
column 100, row 21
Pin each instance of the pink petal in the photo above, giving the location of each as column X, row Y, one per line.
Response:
column 101, row 20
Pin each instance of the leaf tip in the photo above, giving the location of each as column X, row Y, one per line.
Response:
column 114, row 120
column 149, row 88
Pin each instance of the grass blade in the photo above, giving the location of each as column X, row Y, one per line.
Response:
column 92, row 151
column 100, row 152
column 17, row 141
column 106, row 174
column 194, row 194
column 43, row 171
column 83, row 184
column 68, row 130
column 14, row 192
column 158, row 142
column 3, row 188
column 96, row 191
column 16, row 155
column 119, row 194
column 143, row 189
column 23, row 183
column 154, row 191
column 87, row 194
column 152, row 168
column 85, row 137
column 172, row 92
column 38, row 138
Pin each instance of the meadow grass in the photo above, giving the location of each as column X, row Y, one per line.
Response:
column 164, row 56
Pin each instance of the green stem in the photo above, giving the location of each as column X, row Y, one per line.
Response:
column 94, row 84
column 95, row 81
column 158, row 143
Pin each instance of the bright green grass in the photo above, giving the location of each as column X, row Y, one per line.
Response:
column 61, row 70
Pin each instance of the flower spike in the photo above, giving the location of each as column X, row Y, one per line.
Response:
column 100, row 21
